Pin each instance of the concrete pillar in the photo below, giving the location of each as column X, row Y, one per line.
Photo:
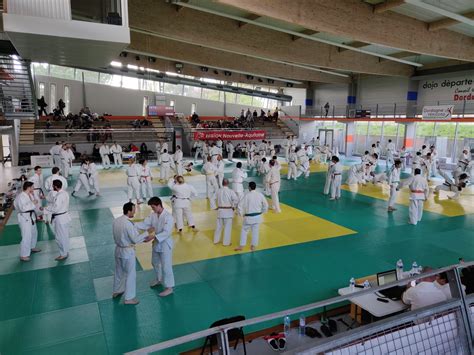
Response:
column 309, row 102
column 15, row 142
column 410, row 135
column 412, row 98
column 351, row 96
column 350, row 138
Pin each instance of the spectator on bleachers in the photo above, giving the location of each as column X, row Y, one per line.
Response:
column 195, row 118
column 145, row 122
column 255, row 115
column 42, row 106
column 242, row 114
column 135, row 123
column 144, row 151
column 133, row 148
column 262, row 114
column 61, row 106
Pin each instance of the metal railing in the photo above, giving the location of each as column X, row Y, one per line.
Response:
column 457, row 309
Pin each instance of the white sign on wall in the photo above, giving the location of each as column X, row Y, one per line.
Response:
column 441, row 112
column 45, row 161
column 455, row 90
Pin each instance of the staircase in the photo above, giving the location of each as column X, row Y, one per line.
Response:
column 17, row 94
column 27, row 132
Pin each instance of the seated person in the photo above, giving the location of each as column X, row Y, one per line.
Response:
column 424, row 293
column 442, row 283
column 467, row 277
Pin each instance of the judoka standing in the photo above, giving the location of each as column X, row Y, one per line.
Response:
column 60, row 218
column 165, row 165
column 178, row 160
column 393, row 182
column 48, row 183
column 198, row 147
column 164, row 148
column 37, row 180
column 126, row 235
column 133, row 181
column 390, row 151
column 182, row 194
column 94, row 178
column 210, row 171
column 104, row 152
column 65, row 160
column 227, row 201
column 419, row 192
column 286, row 146
column 273, row 181
column 83, row 179
column 116, row 151
column 162, row 252
column 327, row 184
column 25, row 205
column 292, row 170
column 238, row 177
column 336, row 178
column 55, row 151
column 230, row 151
column 251, row 208
column 220, row 170
column 158, row 152
column 145, row 179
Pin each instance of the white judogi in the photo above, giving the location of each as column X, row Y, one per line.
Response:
column 162, row 253
column 165, row 166
column 251, row 207
column 227, row 201
column 205, row 152
column 126, row 235
column 37, row 181
column 393, row 182
column 133, row 182
column 83, row 178
column 356, row 174
column 230, row 151
column 198, row 147
column 214, row 152
column 286, row 146
column 27, row 221
column 59, row 210
column 293, row 143
column 273, row 181
column 449, row 185
column 94, row 177
column 304, row 166
column 220, row 172
column 416, row 163
column 55, row 151
column 158, row 152
column 327, row 184
column 238, row 177
column 104, row 152
column 116, row 151
column 71, row 157
column 48, row 183
column 65, row 162
column 403, row 158
column 262, row 149
column 145, row 181
column 178, row 162
column 434, row 160
column 390, row 151
column 419, row 191
column 292, row 170
column 163, row 147
column 336, row 178
column 264, row 169
column 182, row 194
column 210, row 171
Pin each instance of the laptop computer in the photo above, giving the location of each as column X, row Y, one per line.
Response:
column 386, row 277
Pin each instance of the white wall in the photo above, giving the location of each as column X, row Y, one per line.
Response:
column 382, row 91
column 299, row 97
column 128, row 102
column 335, row 94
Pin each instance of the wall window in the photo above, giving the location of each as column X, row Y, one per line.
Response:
column 89, row 76
column 209, row 94
column 52, row 97
column 5, row 145
column 172, row 103
column 40, row 90
column 109, row 79
column 41, row 68
column 130, row 83
column 67, row 100
column 145, row 105
column 193, row 108
column 173, row 89
column 61, row 72
column 192, row 91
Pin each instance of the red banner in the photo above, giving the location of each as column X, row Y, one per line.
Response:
column 160, row 110
column 229, row 135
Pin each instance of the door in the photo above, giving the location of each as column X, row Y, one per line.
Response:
column 326, row 137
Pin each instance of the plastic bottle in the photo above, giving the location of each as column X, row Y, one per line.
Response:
column 302, row 325
column 414, row 269
column 286, row 325
column 352, row 283
column 366, row 284
column 399, row 269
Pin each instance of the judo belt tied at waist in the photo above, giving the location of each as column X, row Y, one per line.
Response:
column 54, row 215
column 447, row 184
column 131, row 246
column 226, row 207
column 253, row 214
column 31, row 212
column 418, row 191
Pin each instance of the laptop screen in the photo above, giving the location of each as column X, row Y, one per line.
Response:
column 386, row 277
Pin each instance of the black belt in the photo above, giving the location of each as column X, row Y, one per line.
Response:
column 54, row 215
column 165, row 161
column 57, row 154
column 337, row 174
column 40, row 189
column 31, row 212
column 83, row 173
column 447, row 184
column 226, row 207
column 253, row 214
column 132, row 176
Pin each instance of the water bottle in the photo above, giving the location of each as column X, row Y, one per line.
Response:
column 302, row 325
column 399, row 269
column 286, row 325
column 414, row 269
column 366, row 284
column 352, row 283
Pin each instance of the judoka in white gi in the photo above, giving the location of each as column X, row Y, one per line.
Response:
column 162, row 252
column 50, row 193
column 133, row 182
column 60, row 219
column 336, row 178
column 55, row 151
column 145, row 179
column 449, row 185
column 273, row 181
column 230, row 150
column 165, row 169
column 158, row 152
column 25, row 205
column 238, row 177
column 126, row 235
column 357, row 174
column 65, row 163
column 393, row 183
column 251, row 207
column 178, row 161
column 83, row 179
column 419, row 192
column 181, row 199
column 94, row 178
column 286, row 147
column 116, row 151
column 220, row 170
column 403, row 157
column 227, row 201
column 390, row 151
column 264, row 169
column 327, row 184
column 37, row 180
column 210, row 171
column 292, row 169
column 198, row 145
column 104, row 152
